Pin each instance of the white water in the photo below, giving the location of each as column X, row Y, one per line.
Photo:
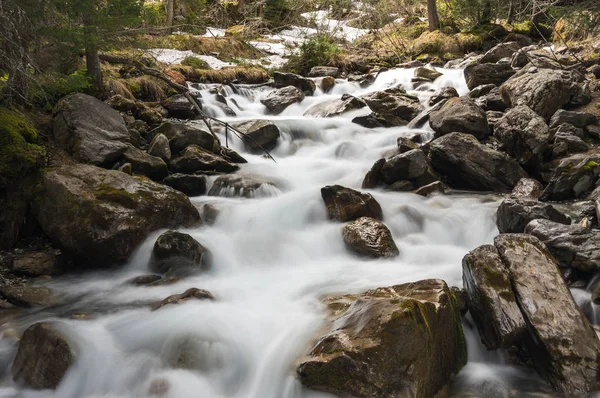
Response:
column 274, row 258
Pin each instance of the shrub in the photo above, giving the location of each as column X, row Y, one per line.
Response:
column 195, row 63
column 317, row 50
column 44, row 91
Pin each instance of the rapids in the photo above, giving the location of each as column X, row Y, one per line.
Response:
column 274, row 257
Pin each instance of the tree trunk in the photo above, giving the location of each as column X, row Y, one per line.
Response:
column 486, row 13
column 511, row 12
column 92, row 61
column 432, row 15
column 170, row 13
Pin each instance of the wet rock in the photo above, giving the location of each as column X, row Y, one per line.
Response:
column 371, row 238
column 102, row 216
column 189, row 135
column 179, row 254
column 442, row 95
column 327, row 83
column 513, row 215
column 278, row 100
column 179, row 107
column 573, row 246
column 259, row 135
column 369, row 121
column 491, row 300
column 468, row 164
column 434, row 187
column 36, row 263
column 459, row 115
column 373, row 176
column 574, row 118
column 382, row 343
column 481, row 90
column 524, row 135
column 427, row 73
column 27, row 296
column 145, row 164
column 401, row 186
column 189, row 184
column 243, row 185
column 566, row 142
column 345, row 204
column 595, row 70
column 565, row 348
column 335, row 107
column 143, row 280
column 573, row 177
column 544, row 91
column 160, row 148
column 89, row 130
column 289, row 79
column 210, row 213
column 45, row 354
column 405, row 166
column 320, row 71
column 394, row 105
column 478, row 74
column 193, row 293
column 405, row 144
column 502, row 50
column 195, row 159
column 231, row 155
column 126, row 168
column 527, row 188
column 491, row 101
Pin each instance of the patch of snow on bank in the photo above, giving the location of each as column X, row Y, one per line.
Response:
column 214, row 32
column 338, row 28
column 174, row 57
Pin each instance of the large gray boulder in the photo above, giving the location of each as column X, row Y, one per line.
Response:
column 189, row 184
column 369, row 237
column 194, row 159
column 477, row 74
column 459, row 115
column 513, row 215
column 89, row 130
column 543, row 90
column 394, row 105
column 177, row 253
column 243, row 185
column 573, row 246
column 383, row 343
column 500, row 51
column 491, row 299
column 259, row 135
column 101, row 216
column 335, row 107
column 145, row 164
column 185, row 135
column 345, row 204
column 574, row 118
column 279, row 99
column 320, row 71
column 405, row 166
column 524, row 135
column 466, row 163
column 574, row 176
column 289, row 79
column 45, row 354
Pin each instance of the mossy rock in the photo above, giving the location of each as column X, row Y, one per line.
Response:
column 195, row 62
column 19, row 153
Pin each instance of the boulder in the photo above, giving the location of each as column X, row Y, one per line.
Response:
column 373, row 176
column 326, row 83
column 189, row 184
column 345, row 204
column 544, row 90
column 145, row 164
column 513, row 215
column 574, row 118
column 289, row 79
column 89, row 130
column 193, row 293
column 573, row 177
column 243, row 185
column 231, row 155
column 320, row 71
column 491, row 101
column 335, row 107
column 405, row 166
column 565, row 349
column 524, row 135
column 137, row 109
column 259, row 135
column 179, row 107
column 176, row 253
column 279, row 99
column 573, row 246
column 478, row 74
column 102, row 216
column 502, row 50
column 382, row 343
column 427, row 73
column 405, row 144
column 434, row 187
column 491, row 300
column 459, row 115
column 527, row 188
column 566, row 143
column 44, row 357
column 160, row 148
column 394, row 105
column 442, row 95
column 189, row 135
column 481, row 90
column 28, row 296
column 468, row 164
column 195, row 159
column 401, row 186
column 36, row 263
column 371, row 238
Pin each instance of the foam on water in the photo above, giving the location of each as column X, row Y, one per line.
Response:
column 274, row 257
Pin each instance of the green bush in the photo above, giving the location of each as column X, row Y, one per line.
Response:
column 154, row 14
column 19, row 153
column 318, row 50
column 195, row 63
column 44, row 91
column 277, row 12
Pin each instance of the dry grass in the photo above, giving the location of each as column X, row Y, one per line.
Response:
column 114, row 86
column 245, row 74
column 147, row 88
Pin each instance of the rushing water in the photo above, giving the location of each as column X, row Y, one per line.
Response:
column 274, row 257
